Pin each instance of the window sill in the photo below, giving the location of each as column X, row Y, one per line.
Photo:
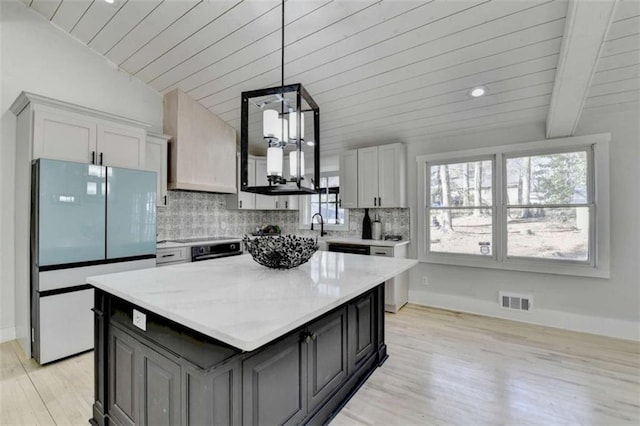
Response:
column 535, row 266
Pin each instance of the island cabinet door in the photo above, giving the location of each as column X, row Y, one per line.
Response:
column 122, row 377
column 361, row 329
column 212, row 397
column 274, row 384
column 159, row 388
column 327, row 356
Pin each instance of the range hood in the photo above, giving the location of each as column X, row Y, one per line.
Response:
column 202, row 150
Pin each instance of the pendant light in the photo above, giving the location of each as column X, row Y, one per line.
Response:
column 282, row 111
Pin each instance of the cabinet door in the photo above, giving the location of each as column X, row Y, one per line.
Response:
column 120, row 146
column 349, row 179
column 122, row 379
column 156, row 161
column 368, row 177
column 391, row 176
column 327, row 355
column 159, row 388
column 286, row 202
column 263, row 202
column 361, row 329
column 247, row 200
column 63, row 136
column 274, row 384
column 214, row 397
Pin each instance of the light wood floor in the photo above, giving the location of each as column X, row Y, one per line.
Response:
column 444, row 368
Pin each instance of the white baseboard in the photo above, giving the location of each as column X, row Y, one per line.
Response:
column 610, row 327
column 7, row 334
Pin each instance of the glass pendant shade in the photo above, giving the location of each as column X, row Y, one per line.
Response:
column 270, row 123
column 274, row 161
column 293, row 128
column 282, row 127
column 293, row 164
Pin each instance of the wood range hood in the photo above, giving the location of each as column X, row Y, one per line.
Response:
column 202, row 150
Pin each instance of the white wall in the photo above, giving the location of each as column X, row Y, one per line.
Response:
column 36, row 57
column 600, row 306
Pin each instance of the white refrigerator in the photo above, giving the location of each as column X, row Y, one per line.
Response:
column 85, row 220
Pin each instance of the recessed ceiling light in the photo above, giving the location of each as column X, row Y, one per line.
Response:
column 477, row 91
column 110, row 1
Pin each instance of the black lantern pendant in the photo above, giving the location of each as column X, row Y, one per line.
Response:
column 287, row 120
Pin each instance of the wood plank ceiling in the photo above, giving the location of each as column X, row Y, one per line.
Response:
column 381, row 71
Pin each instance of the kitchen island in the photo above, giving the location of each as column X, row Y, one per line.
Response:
column 228, row 341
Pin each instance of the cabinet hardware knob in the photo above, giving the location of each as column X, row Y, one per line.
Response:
column 286, row 204
column 240, row 203
column 165, row 200
column 374, row 201
column 379, row 201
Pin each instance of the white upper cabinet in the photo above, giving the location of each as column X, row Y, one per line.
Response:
column 156, row 160
column 392, row 166
column 381, row 176
column 121, row 146
column 244, row 200
column 349, row 179
column 62, row 135
column 368, row 177
column 63, row 131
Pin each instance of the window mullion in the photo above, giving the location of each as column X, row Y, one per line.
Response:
column 499, row 212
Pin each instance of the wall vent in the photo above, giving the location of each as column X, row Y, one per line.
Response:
column 516, row 302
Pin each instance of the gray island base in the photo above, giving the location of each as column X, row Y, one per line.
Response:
column 171, row 374
column 230, row 342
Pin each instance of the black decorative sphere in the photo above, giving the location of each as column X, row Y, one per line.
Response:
column 281, row 252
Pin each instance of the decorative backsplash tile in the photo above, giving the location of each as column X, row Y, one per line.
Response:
column 200, row 214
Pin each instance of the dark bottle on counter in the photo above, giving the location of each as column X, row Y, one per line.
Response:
column 366, row 226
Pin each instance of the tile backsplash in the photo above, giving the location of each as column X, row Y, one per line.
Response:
column 200, row 214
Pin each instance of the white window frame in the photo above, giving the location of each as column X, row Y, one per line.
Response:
column 305, row 208
column 598, row 196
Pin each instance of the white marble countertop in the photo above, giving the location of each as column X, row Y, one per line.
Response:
column 360, row 241
column 246, row 305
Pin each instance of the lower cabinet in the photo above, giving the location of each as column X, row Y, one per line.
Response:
column 274, row 384
column 212, row 397
column 145, row 385
column 285, row 382
column 163, row 376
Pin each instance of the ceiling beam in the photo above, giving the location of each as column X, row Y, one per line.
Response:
column 586, row 27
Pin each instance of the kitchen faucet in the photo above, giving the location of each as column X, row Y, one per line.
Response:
column 322, row 233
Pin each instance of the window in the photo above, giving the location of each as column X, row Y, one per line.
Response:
column 461, row 211
column 525, row 207
column 327, row 203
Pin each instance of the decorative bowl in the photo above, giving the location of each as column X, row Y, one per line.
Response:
column 281, row 252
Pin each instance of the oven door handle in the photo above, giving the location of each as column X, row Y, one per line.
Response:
column 214, row 256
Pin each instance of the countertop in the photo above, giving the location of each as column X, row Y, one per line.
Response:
column 246, row 305
column 360, row 241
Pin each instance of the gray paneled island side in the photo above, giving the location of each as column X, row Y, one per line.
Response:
column 229, row 341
